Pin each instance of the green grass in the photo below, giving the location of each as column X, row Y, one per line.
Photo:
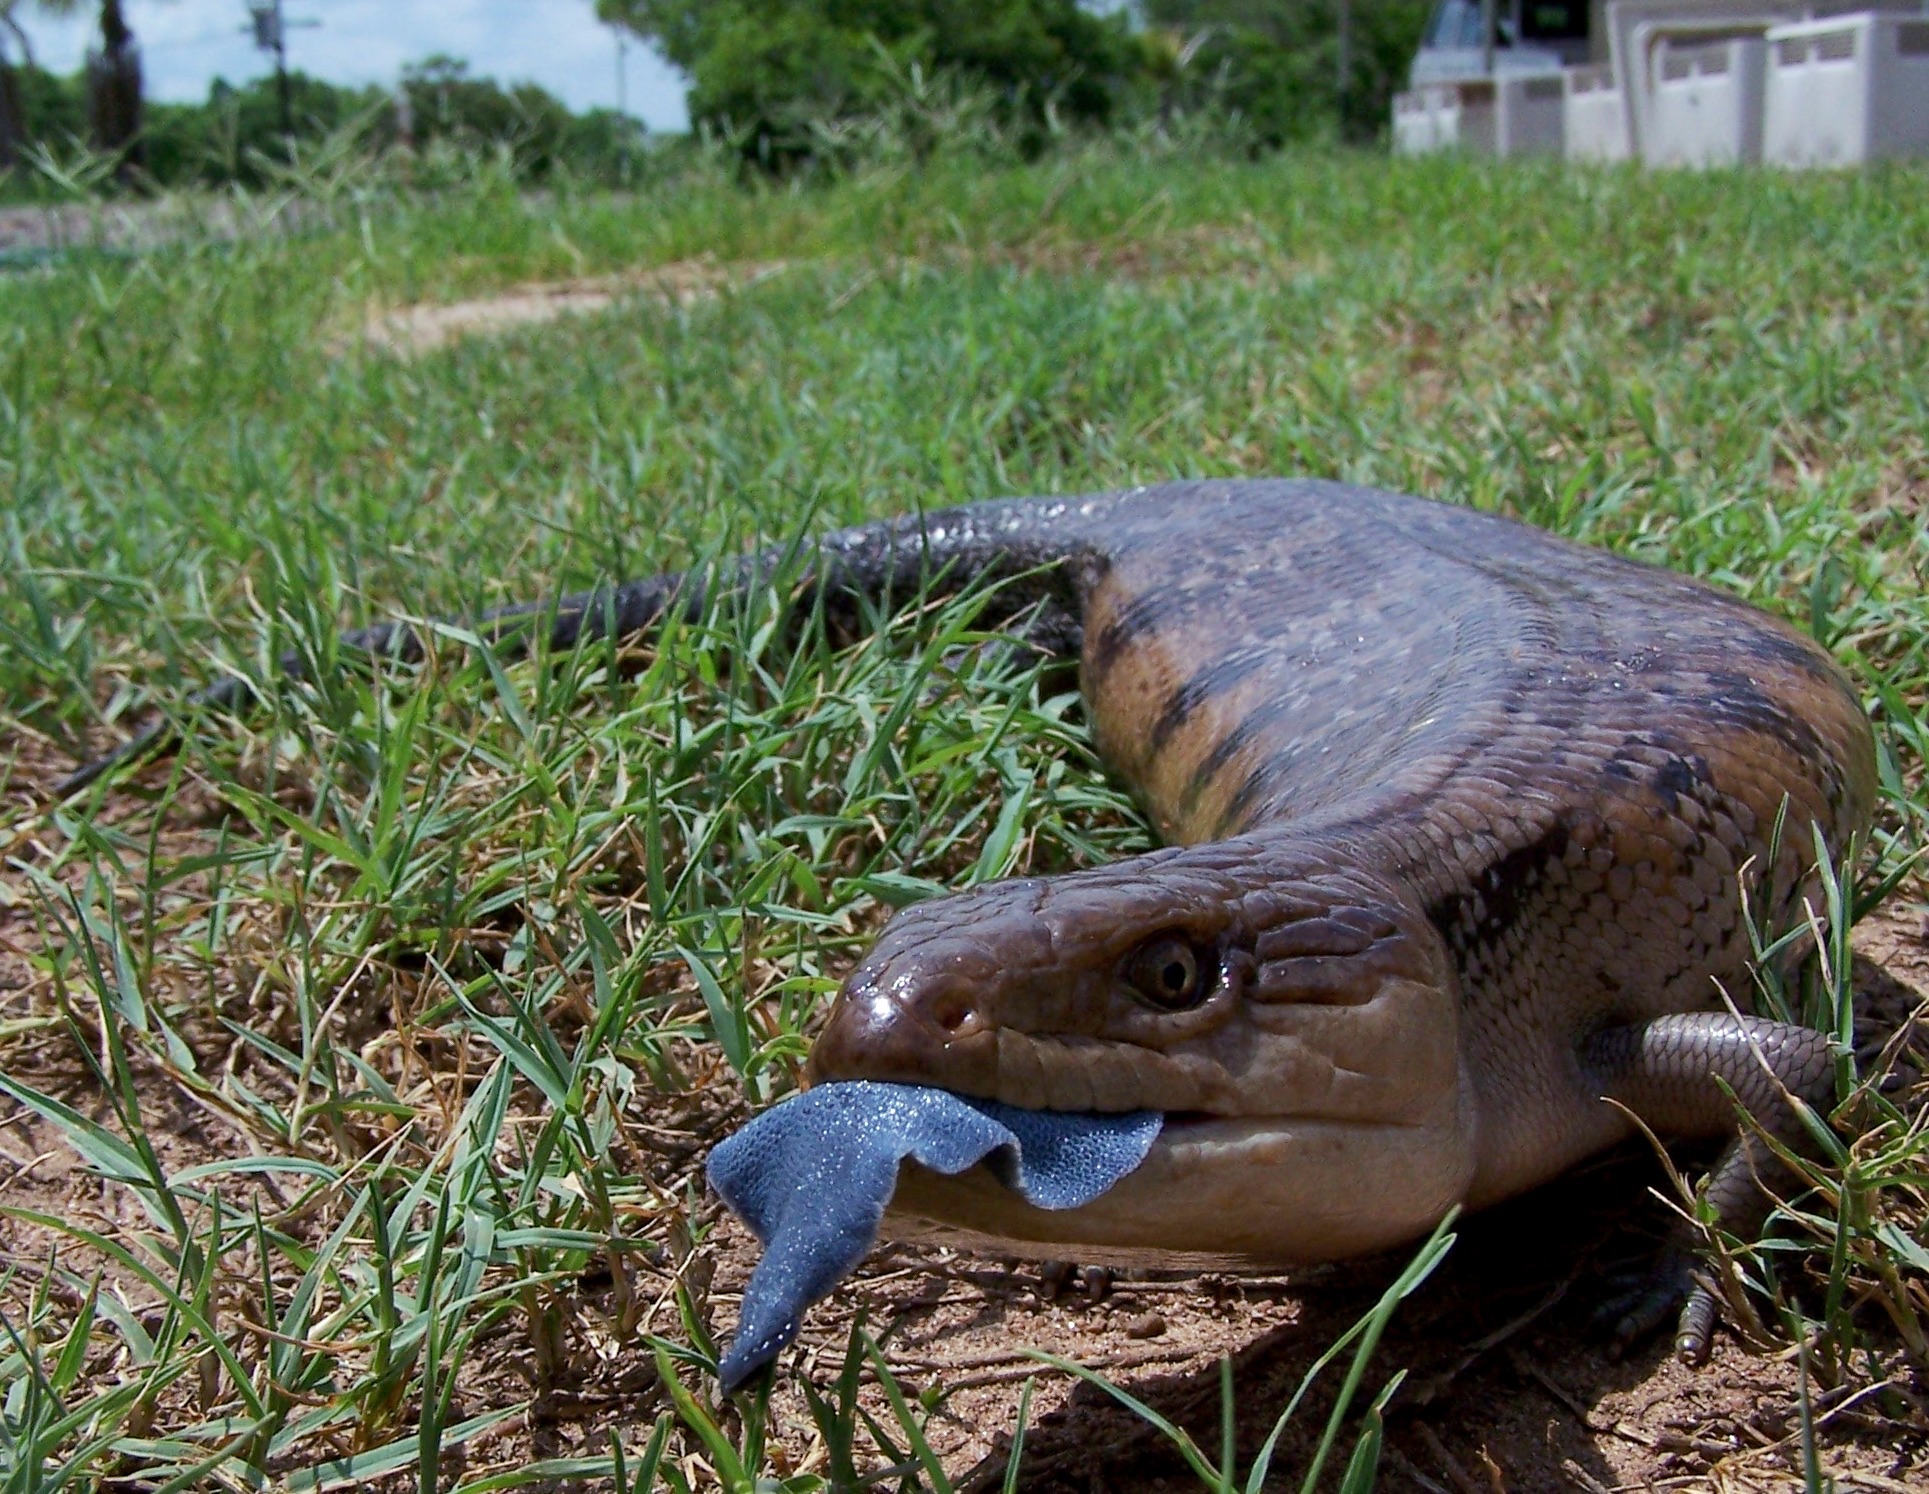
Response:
column 421, row 952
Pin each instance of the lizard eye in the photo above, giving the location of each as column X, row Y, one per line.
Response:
column 1165, row 972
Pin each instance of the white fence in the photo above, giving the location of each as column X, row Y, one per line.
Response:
column 1704, row 83
column 1707, row 103
column 1445, row 116
column 1847, row 90
column 1528, row 115
column 1594, row 115
column 1489, row 117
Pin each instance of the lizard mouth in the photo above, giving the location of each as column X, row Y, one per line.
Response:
column 1214, row 1190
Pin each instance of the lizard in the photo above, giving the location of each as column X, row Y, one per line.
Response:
column 1456, row 815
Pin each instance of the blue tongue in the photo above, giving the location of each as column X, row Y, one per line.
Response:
column 811, row 1178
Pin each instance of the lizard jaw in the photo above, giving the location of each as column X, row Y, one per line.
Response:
column 1244, row 1190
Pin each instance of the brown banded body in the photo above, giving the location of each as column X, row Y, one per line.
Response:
column 1457, row 814
column 1459, row 817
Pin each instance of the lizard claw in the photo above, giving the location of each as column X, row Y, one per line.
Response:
column 1640, row 1301
column 1696, row 1325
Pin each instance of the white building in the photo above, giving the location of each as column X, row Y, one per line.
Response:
column 1672, row 82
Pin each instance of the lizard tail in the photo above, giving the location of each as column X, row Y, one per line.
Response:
column 891, row 558
column 581, row 617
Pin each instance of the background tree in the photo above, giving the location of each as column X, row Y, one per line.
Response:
column 239, row 128
column 113, row 78
column 13, row 119
column 1279, row 61
column 768, row 68
column 446, row 103
column 236, row 136
column 114, row 90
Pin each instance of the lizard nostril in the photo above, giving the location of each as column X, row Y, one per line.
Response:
column 952, row 1013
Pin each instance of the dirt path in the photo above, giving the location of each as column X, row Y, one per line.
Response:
column 424, row 327
column 407, row 331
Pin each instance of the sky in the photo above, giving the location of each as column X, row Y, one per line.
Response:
column 186, row 44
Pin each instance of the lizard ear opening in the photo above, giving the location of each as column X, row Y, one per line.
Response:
column 1168, row 973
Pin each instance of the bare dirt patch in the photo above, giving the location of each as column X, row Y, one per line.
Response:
column 408, row 331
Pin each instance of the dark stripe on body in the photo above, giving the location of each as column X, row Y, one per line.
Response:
column 1501, row 893
column 1251, row 729
column 1145, row 616
column 1205, row 686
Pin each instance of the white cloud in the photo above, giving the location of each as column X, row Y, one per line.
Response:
column 186, row 44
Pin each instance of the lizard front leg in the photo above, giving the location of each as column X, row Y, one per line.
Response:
column 1665, row 1071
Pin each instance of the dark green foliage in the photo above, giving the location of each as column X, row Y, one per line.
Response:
column 52, row 108
column 445, row 103
column 604, row 146
column 775, row 74
column 767, row 71
column 229, row 138
column 790, row 80
column 1277, row 62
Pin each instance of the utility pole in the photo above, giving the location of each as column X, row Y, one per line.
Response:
column 114, row 90
column 622, row 70
column 271, row 35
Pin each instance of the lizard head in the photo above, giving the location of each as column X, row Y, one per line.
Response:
column 1296, row 1021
